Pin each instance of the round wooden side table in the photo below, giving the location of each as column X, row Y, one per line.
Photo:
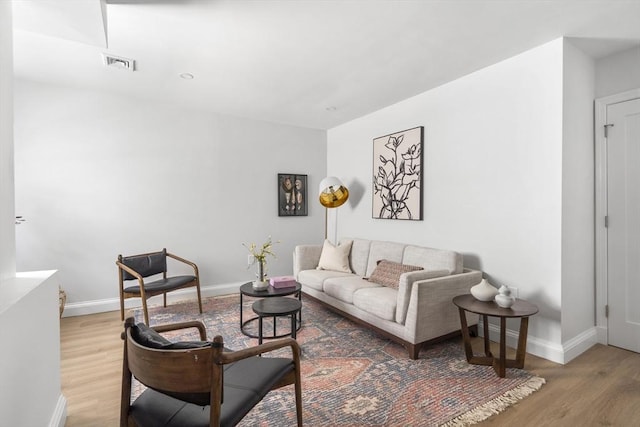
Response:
column 520, row 309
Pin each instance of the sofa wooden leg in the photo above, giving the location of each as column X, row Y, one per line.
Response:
column 414, row 350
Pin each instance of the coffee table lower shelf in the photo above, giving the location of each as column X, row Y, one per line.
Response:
column 256, row 318
column 273, row 308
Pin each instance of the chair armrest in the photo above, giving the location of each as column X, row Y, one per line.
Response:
column 183, row 325
column 431, row 312
column 234, row 356
column 135, row 274
column 185, row 261
column 306, row 257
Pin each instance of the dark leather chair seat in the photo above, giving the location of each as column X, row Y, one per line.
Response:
column 246, row 382
column 167, row 284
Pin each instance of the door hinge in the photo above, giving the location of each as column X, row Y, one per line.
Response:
column 606, row 221
column 606, row 130
column 606, row 310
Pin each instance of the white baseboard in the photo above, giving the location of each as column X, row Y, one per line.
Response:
column 579, row 344
column 603, row 335
column 59, row 416
column 558, row 353
column 113, row 304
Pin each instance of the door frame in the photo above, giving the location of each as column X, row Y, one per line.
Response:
column 601, row 260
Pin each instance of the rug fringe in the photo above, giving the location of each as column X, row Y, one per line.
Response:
column 496, row 405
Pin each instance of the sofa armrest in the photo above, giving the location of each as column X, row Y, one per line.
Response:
column 406, row 284
column 306, row 257
column 431, row 312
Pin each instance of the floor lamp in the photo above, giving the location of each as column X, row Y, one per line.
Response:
column 332, row 195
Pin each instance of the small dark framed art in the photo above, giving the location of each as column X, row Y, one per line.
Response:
column 292, row 194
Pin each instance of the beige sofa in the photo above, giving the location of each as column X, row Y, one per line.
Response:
column 419, row 311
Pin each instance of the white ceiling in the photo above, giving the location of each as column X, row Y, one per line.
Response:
column 310, row 63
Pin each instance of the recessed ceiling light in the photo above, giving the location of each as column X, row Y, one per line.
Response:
column 186, row 76
column 331, row 108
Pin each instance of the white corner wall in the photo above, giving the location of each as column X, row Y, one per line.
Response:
column 99, row 175
column 7, row 213
column 30, row 391
column 618, row 73
column 493, row 161
column 578, row 203
column 30, row 369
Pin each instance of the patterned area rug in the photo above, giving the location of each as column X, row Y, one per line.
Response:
column 353, row 377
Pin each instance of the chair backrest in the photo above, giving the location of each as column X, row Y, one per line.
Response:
column 146, row 264
column 186, row 374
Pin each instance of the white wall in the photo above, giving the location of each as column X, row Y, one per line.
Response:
column 98, row 175
column 30, row 361
column 618, row 72
column 492, row 178
column 30, row 394
column 7, row 213
column 578, row 203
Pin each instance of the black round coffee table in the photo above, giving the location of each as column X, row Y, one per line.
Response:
column 276, row 307
column 270, row 292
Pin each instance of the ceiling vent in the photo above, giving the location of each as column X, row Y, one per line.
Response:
column 119, row 62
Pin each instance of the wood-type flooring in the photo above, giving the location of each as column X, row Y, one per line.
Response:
column 601, row 387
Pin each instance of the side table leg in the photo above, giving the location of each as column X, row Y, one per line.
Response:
column 466, row 339
column 502, row 360
column 274, row 326
column 259, row 330
column 522, row 342
column 485, row 330
column 293, row 325
column 240, row 311
column 300, row 312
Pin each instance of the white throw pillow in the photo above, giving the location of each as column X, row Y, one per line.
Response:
column 335, row 258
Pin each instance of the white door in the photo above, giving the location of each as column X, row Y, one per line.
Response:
column 623, row 232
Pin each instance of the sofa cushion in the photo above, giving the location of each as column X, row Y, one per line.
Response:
column 359, row 256
column 433, row 259
column 342, row 288
column 387, row 273
column 315, row 278
column 379, row 301
column 335, row 258
column 384, row 250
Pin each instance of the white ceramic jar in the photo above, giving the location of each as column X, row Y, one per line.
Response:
column 504, row 298
column 484, row 291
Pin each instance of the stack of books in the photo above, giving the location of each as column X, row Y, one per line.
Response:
column 283, row 282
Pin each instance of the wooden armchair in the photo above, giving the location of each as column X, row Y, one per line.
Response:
column 198, row 383
column 139, row 267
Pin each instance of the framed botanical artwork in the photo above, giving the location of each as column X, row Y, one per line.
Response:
column 397, row 175
column 292, row 194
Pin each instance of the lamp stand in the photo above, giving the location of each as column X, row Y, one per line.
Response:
column 326, row 221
